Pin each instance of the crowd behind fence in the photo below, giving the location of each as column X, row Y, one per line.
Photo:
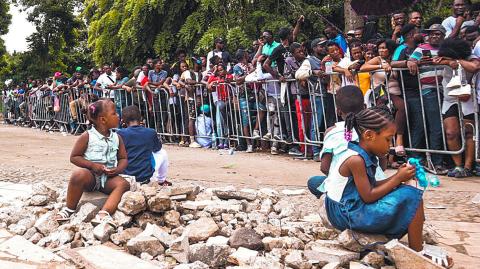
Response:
column 251, row 114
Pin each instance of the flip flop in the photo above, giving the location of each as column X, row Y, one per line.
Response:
column 438, row 255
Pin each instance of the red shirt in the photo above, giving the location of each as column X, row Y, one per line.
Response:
column 221, row 88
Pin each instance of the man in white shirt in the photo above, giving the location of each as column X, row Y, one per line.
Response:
column 105, row 80
column 459, row 20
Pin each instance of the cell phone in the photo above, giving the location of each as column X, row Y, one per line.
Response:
column 427, row 53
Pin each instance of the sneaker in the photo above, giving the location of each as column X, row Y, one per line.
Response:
column 267, row 136
column 295, row 152
column 249, row 149
column 220, row 146
column 461, row 91
column 316, row 158
column 274, row 151
column 256, row 134
column 64, row 215
column 454, row 83
column 455, row 172
column 194, row 144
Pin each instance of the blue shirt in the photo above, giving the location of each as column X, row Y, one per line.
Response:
column 155, row 77
column 140, row 143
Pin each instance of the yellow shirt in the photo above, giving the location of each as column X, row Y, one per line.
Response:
column 364, row 81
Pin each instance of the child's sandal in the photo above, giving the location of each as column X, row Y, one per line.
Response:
column 438, row 255
column 64, row 214
column 106, row 218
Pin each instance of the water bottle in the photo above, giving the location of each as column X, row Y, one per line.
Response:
column 433, row 180
column 328, row 67
column 214, row 141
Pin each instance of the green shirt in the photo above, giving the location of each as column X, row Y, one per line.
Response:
column 268, row 48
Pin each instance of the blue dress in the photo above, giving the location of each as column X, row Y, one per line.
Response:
column 390, row 215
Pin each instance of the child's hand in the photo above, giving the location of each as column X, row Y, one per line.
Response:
column 405, row 172
column 111, row 171
column 98, row 169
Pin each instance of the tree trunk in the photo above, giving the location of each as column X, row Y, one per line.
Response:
column 352, row 20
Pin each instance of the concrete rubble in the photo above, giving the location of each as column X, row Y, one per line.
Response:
column 189, row 227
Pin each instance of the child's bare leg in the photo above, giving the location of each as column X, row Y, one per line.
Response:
column 81, row 180
column 415, row 229
column 115, row 187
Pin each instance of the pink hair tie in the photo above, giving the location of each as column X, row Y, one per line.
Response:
column 92, row 108
column 348, row 135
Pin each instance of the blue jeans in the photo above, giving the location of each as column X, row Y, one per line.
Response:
column 222, row 128
column 316, row 123
column 313, row 184
column 433, row 124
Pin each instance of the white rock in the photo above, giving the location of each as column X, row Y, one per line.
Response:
column 179, row 249
column 132, row 203
column 218, row 240
column 148, row 244
column 47, row 223
column 159, row 203
column 160, row 233
column 201, row 230
column 103, row 231
column 85, row 213
column 243, row 257
column 295, row 192
column 121, row 219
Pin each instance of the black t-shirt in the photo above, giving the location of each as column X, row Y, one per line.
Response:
column 279, row 54
column 410, row 82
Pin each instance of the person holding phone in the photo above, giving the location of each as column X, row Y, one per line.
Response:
column 461, row 18
column 430, row 76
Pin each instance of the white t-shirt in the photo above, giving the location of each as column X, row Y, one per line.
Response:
column 211, row 54
column 449, row 24
column 105, row 80
column 346, row 63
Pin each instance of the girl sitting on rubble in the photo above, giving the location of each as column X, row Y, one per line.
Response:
column 100, row 156
column 357, row 201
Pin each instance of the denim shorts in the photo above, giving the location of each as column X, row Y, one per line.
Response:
column 246, row 107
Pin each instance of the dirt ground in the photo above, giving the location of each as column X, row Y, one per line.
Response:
column 31, row 155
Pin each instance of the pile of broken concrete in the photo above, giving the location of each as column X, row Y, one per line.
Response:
column 188, row 226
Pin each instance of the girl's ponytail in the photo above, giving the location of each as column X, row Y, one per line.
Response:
column 350, row 123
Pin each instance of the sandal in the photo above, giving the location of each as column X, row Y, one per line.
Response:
column 400, row 151
column 438, row 255
column 455, row 171
column 64, row 214
column 106, row 218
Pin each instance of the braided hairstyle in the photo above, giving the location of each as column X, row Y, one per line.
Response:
column 374, row 118
column 95, row 109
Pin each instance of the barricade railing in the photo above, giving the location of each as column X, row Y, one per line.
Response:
column 287, row 112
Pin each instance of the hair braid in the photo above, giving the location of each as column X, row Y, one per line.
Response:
column 375, row 118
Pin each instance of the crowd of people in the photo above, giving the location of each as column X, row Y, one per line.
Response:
column 283, row 91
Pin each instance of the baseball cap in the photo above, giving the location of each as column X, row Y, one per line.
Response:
column 57, row 74
column 436, row 27
column 78, row 68
column 351, row 32
column 317, row 41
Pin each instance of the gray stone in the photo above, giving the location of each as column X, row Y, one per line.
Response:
column 39, row 200
column 242, row 257
column 265, row 229
column 231, row 192
column 322, row 243
column 179, row 249
column 201, row 230
column 323, row 233
column 406, row 258
column 270, row 243
column 148, row 244
column 159, row 203
column 121, row 238
column 122, row 219
column 47, row 223
column 190, row 190
column 212, row 255
column 103, row 231
column 85, row 213
column 148, row 191
column 132, row 203
column 357, row 242
column 172, row 218
column 158, row 232
column 62, row 237
column 103, row 257
column 374, row 259
column 196, row 205
column 36, row 238
column 21, row 249
column 148, row 217
column 257, row 218
column 77, row 244
column 263, row 262
column 296, row 260
column 86, row 231
column 357, row 265
column 230, row 206
column 247, row 238
column 328, row 255
column 29, row 233
column 194, row 265
column 267, row 206
column 42, row 195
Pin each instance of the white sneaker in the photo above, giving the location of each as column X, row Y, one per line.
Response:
column 274, row 151
column 256, row 134
column 454, row 83
column 194, row 144
column 267, row 136
column 463, row 90
column 249, row 149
